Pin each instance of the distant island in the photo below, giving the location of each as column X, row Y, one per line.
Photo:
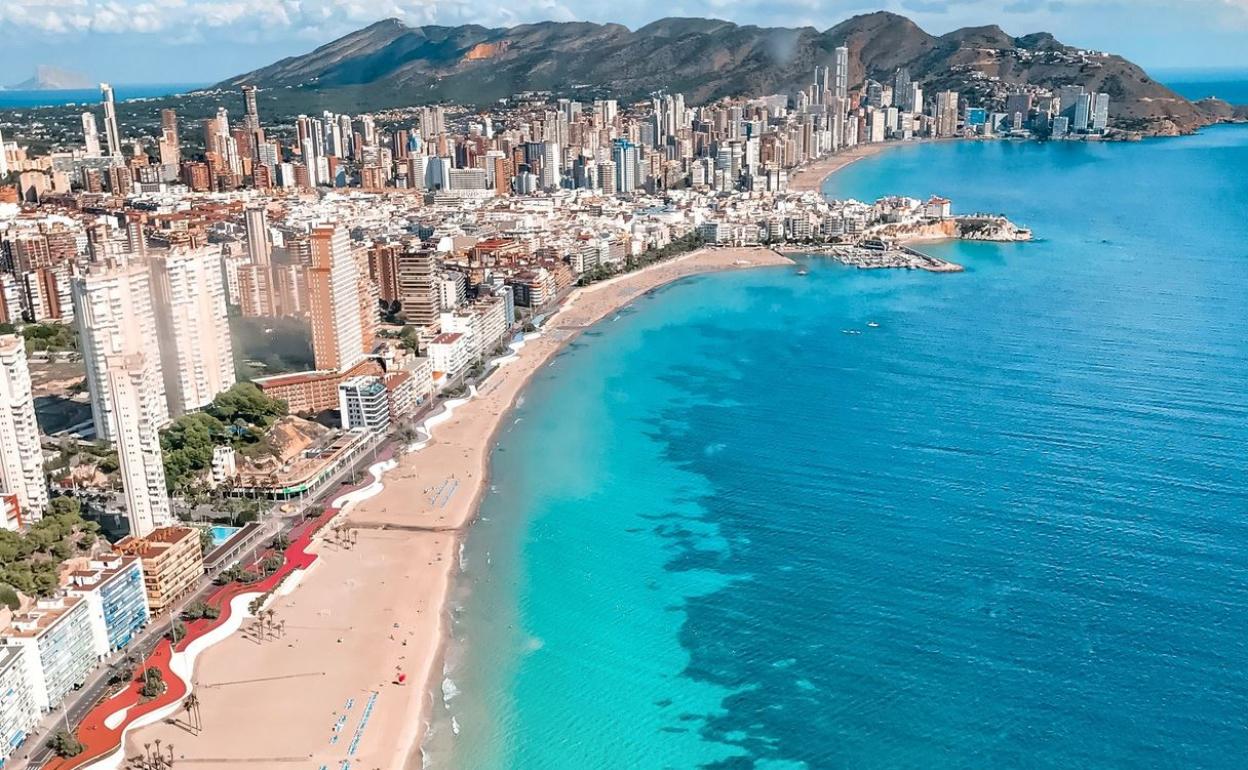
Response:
column 49, row 78
column 390, row 64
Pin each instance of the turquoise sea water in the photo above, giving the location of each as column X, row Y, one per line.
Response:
column 87, row 96
column 1005, row 528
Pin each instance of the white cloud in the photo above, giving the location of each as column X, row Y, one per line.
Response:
column 321, row 20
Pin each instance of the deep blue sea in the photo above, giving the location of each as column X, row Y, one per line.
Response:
column 1228, row 85
column 12, row 99
column 737, row 527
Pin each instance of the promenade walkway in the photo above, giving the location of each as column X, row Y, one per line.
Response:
column 102, row 730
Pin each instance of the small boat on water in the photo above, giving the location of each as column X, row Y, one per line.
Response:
column 873, row 324
column 803, row 271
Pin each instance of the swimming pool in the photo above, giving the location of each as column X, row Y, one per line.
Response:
column 221, row 534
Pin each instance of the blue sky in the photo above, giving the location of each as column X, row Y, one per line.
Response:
column 167, row 41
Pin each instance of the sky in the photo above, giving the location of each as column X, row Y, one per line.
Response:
column 201, row 41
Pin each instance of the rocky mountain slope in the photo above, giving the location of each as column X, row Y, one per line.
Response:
column 707, row 59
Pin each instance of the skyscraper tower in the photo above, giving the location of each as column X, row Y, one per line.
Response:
column 90, row 135
column 259, row 246
column 338, row 322
column 113, row 308
column 21, row 459
column 253, row 114
column 901, row 90
column 170, row 144
column 840, row 72
column 111, row 130
column 196, row 355
column 136, row 402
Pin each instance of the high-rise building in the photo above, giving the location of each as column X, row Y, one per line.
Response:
column 111, row 131
column 197, row 357
column 341, row 330
column 113, row 307
column 138, row 409
column 90, row 135
column 840, row 73
column 946, row 113
column 552, row 165
column 418, row 296
column 624, row 155
column 1082, row 116
column 21, row 458
column 170, row 144
column 253, row 114
column 259, row 242
column 901, row 91
column 1100, row 111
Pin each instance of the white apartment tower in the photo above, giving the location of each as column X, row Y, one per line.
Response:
column 113, row 307
column 90, row 135
column 259, row 245
column 840, row 73
column 21, row 459
column 137, row 406
column 196, row 356
column 112, row 132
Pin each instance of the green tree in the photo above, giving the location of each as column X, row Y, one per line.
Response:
column 65, row 744
column 153, row 683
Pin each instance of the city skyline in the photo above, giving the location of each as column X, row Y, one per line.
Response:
column 208, row 41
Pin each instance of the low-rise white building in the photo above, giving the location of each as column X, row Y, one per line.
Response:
column 448, row 353
column 59, row 647
column 19, row 714
column 364, row 402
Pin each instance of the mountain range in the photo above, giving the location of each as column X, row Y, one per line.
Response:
column 389, row 63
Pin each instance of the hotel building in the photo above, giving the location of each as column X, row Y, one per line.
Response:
column 342, row 301
column 197, row 357
column 172, row 563
column 21, row 457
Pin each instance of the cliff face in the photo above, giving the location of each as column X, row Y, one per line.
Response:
column 707, row 59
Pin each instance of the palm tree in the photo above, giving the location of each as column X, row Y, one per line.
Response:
column 192, row 712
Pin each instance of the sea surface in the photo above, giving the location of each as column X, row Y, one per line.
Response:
column 1227, row 85
column 737, row 525
column 91, row 96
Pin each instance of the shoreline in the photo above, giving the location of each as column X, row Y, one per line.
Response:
column 812, row 176
column 369, row 628
column 741, row 260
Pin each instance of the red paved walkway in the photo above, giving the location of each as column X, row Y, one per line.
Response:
column 98, row 739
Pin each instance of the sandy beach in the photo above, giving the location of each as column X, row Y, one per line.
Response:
column 354, row 674
column 810, row 178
